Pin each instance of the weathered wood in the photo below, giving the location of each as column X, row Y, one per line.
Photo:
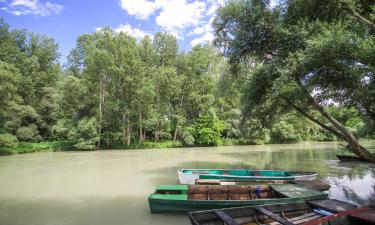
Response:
column 302, row 219
column 272, row 215
column 308, row 219
column 332, row 205
column 366, row 216
column 225, row 217
column 315, row 184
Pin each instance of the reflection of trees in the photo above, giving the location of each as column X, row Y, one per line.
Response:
column 369, row 199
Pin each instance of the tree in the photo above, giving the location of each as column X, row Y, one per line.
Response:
column 289, row 75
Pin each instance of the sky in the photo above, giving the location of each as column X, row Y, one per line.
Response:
column 65, row 20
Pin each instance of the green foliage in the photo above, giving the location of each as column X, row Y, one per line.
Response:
column 207, row 130
column 29, row 134
column 187, row 137
column 24, row 147
column 85, row 135
column 282, row 132
column 8, row 141
column 302, row 56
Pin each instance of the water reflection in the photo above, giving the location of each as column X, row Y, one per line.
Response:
column 111, row 187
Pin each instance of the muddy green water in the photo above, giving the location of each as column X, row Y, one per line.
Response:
column 111, row 187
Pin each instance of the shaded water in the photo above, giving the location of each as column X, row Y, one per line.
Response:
column 111, row 187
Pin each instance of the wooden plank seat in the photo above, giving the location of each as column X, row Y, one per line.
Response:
column 272, row 215
column 302, row 219
column 225, row 217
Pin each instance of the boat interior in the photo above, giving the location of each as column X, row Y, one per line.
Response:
column 224, row 192
column 271, row 173
column 286, row 214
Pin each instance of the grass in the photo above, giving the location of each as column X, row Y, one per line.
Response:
column 53, row 146
column 151, row 144
column 48, row 146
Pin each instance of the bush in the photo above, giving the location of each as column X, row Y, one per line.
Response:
column 207, row 130
column 187, row 138
column 61, row 129
column 8, row 141
column 283, row 132
column 85, row 134
column 29, row 134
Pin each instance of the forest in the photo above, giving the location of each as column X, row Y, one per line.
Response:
column 272, row 75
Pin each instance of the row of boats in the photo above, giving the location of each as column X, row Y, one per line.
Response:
column 239, row 197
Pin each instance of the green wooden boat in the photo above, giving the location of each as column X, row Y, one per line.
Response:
column 189, row 176
column 187, row 198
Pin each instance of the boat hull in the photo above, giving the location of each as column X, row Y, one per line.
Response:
column 195, row 174
column 184, row 206
column 182, row 203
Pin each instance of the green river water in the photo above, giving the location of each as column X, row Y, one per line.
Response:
column 111, row 187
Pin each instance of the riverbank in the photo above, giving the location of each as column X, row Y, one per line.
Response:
column 55, row 146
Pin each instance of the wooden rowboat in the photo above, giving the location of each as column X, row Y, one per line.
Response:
column 187, row 198
column 314, row 184
column 189, row 176
column 312, row 212
column 350, row 158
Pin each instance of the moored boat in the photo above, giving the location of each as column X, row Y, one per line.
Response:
column 350, row 158
column 186, row 198
column 189, row 176
column 314, row 184
column 311, row 212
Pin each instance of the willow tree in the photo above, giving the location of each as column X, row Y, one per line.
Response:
column 303, row 62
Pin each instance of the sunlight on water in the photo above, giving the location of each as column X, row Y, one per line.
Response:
column 111, row 187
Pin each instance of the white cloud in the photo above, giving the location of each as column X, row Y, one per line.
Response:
column 207, row 37
column 274, row 3
column 176, row 15
column 127, row 28
column 31, row 7
column 141, row 9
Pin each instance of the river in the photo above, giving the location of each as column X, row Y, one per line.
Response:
column 111, row 187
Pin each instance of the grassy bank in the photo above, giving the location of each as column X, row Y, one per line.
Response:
column 53, row 146
column 49, row 146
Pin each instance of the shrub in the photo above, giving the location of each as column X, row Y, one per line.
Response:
column 29, row 134
column 187, row 138
column 8, row 141
column 85, row 134
column 207, row 130
column 283, row 132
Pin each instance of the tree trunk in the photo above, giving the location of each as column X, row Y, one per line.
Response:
column 156, row 134
column 175, row 133
column 101, row 103
column 128, row 132
column 140, row 129
column 360, row 17
column 348, row 136
column 123, row 128
column 329, row 129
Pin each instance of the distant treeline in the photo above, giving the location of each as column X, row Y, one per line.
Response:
column 116, row 91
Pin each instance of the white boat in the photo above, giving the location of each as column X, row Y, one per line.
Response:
column 189, row 176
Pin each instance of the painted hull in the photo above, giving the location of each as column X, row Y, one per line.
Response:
column 177, row 200
column 189, row 176
column 184, row 206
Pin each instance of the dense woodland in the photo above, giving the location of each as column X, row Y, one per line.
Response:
column 302, row 71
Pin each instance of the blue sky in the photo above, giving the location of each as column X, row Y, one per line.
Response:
column 65, row 20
